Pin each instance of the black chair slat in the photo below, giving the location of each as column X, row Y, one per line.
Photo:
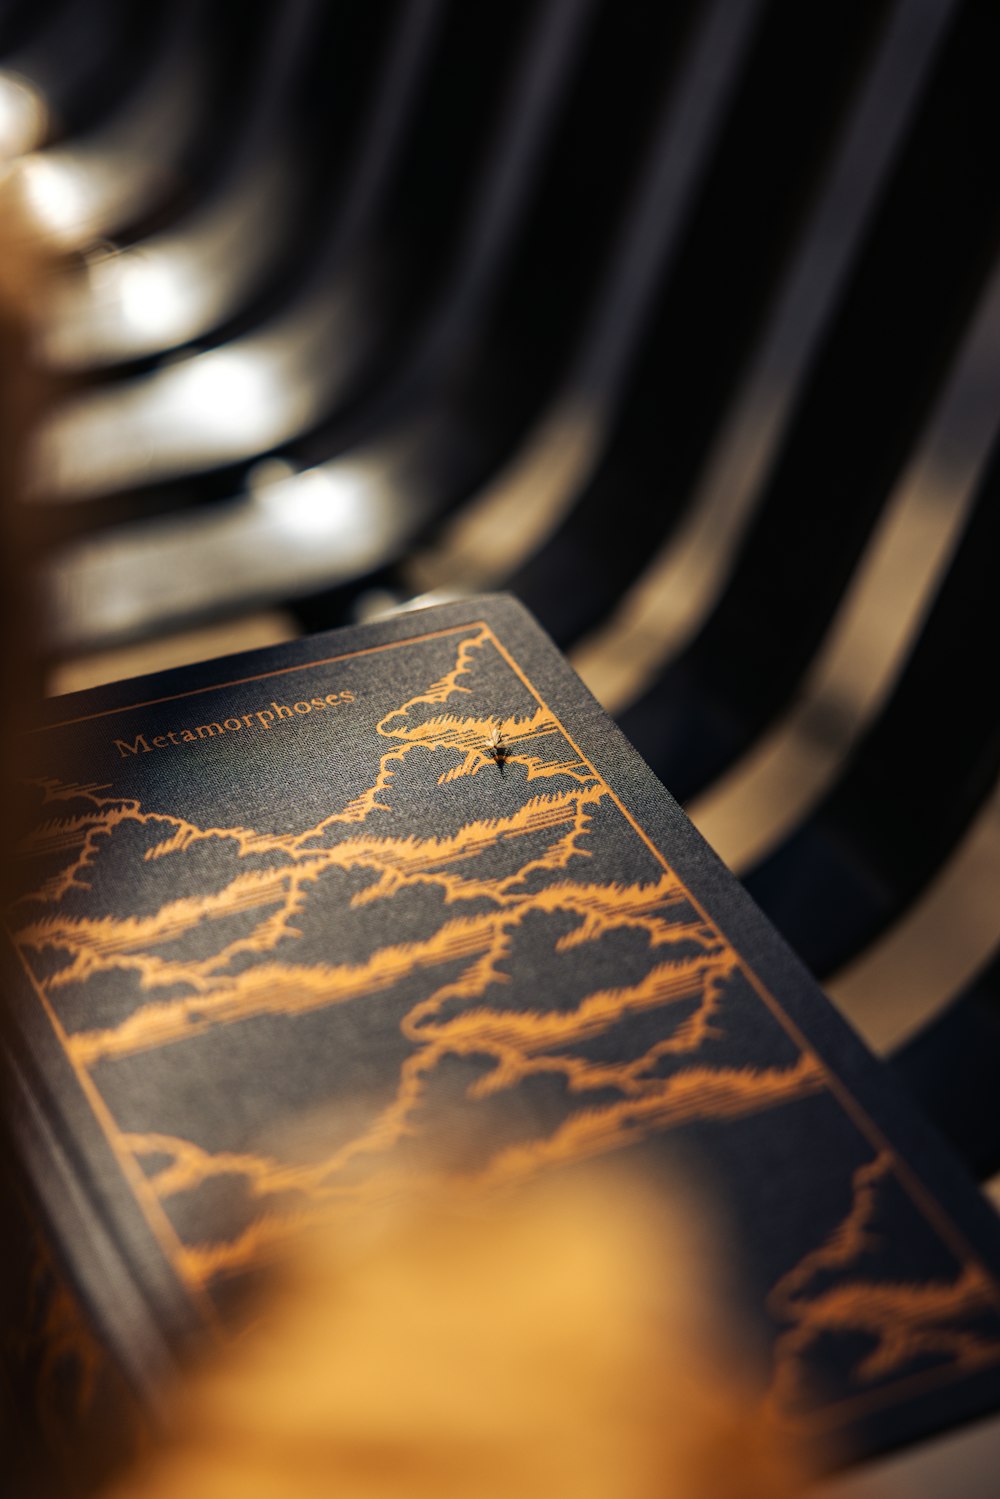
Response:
column 751, row 206
column 856, row 421
column 413, row 323
column 429, row 453
column 21, row 20
column 916, row 779
column 83, row 57
column 952, row 1068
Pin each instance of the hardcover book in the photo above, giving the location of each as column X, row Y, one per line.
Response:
column 410, row 879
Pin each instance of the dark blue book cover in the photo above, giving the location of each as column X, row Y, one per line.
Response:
column 409, row 879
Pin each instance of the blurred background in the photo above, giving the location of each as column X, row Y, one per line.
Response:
column 679, row 320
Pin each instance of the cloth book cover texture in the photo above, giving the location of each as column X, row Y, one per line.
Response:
column 409, row 880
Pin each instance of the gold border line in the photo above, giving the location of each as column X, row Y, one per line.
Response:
column 279, row 671
column 837, row 1412
column 146, row 1198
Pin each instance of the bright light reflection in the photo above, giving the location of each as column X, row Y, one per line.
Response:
column 23, row 116
column 320, row 503
column 154, row 293
column 56, row 195
column 227, row 397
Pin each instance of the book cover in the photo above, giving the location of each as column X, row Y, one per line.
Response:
column 409, row 878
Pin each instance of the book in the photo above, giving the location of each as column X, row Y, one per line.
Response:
column 410, row 879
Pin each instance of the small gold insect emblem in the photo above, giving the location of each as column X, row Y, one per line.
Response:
column 496, row 745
